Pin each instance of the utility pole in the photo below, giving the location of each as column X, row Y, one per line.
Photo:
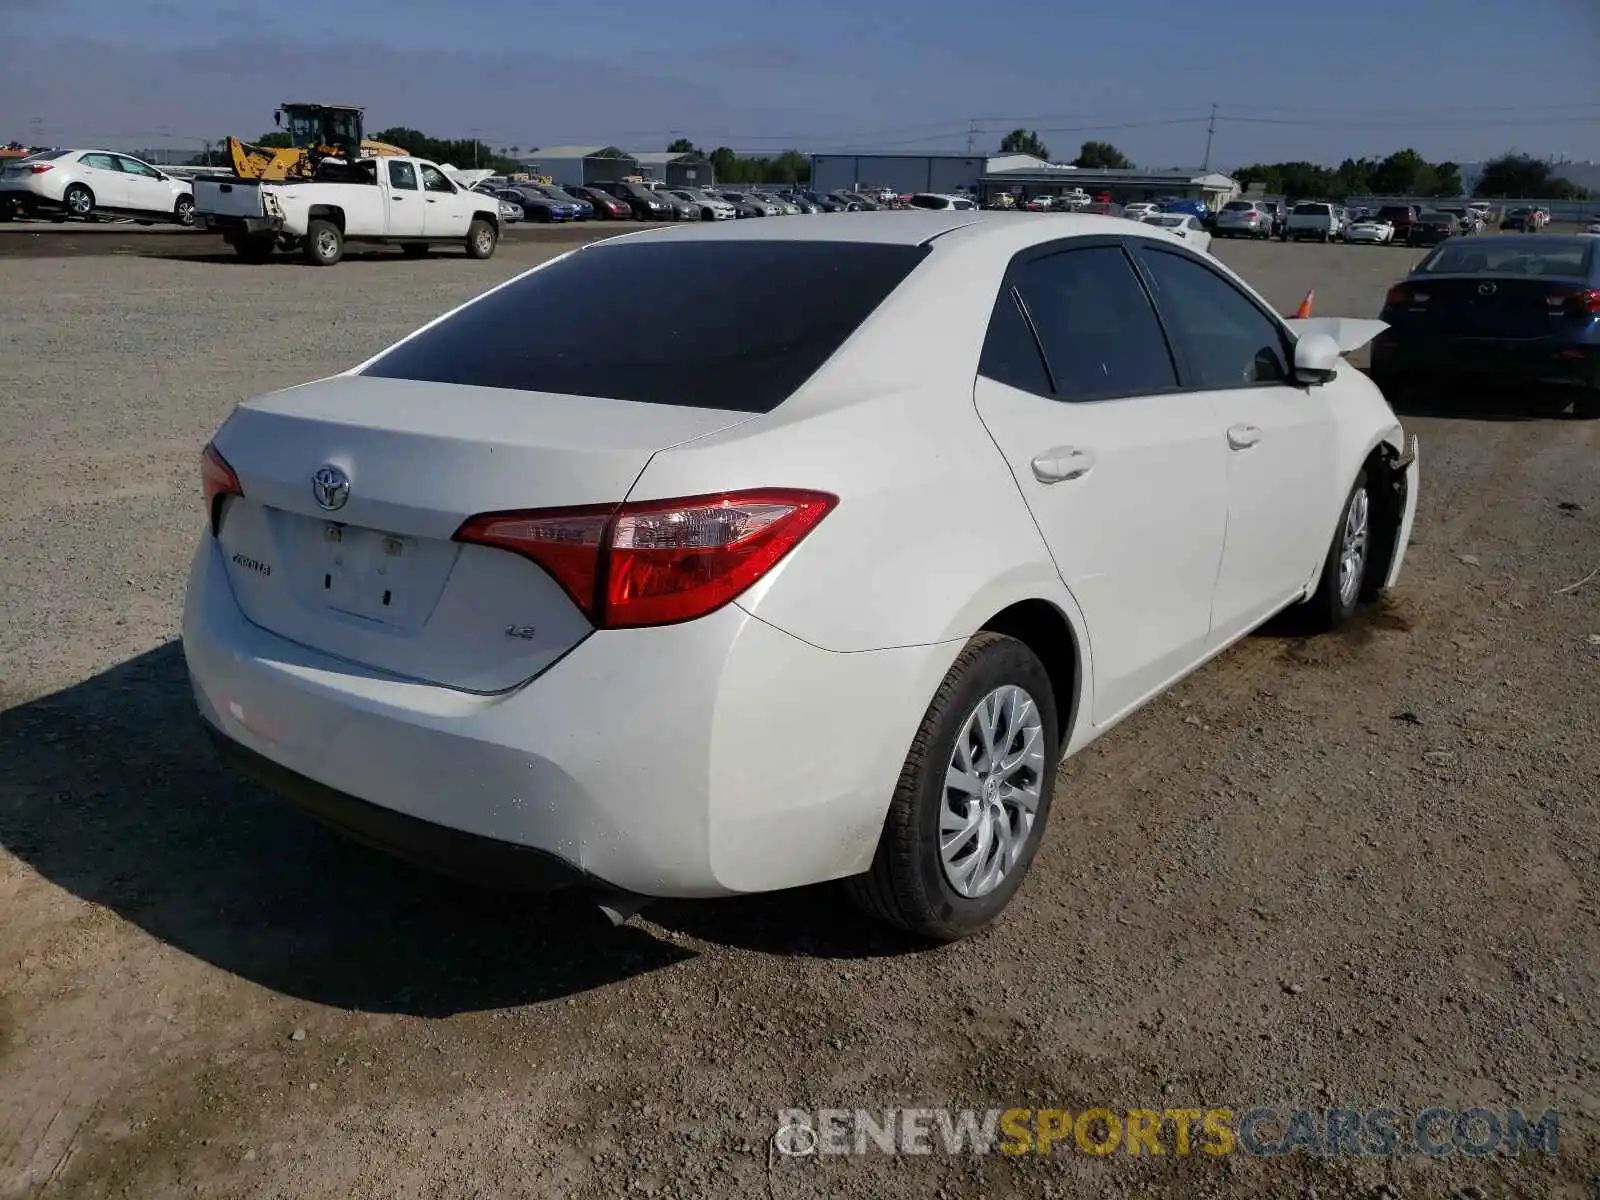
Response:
column 1211, row 129
column 972, row 132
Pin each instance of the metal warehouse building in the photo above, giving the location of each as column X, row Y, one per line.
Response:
column 676, row 170
column 1124, row 187
column 921, row 172
column 577, row 166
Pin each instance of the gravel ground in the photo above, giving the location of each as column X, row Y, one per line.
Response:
column 1358, row 870
column 42, row 239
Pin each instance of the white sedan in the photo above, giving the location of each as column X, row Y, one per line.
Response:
column 1185, row 226
column 1140, row 210
column 658, row 596
column 83, row 183
column 1370, row 230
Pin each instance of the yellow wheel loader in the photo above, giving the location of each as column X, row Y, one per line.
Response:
column 317, row 133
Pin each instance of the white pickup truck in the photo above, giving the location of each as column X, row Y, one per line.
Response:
column 1314, row 219
column 409, row 201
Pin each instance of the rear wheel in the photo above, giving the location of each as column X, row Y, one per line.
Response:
column 324, row 245
column 1587, row 406
column 973, row 798
column 78, row 201
column 481, row 239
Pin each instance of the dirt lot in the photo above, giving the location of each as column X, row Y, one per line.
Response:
column 1360, row 870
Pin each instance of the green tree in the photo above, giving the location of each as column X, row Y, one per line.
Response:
column 1102, row 156
column 683, row 146
column 1447, row 180
column 725, row 164
column 1403, row 173
column 1519, row 176
column 1024, row 141
column 1304, row 180
column 1267, row 175
column 278, row 139
column 1353, row 177
column 459, row 152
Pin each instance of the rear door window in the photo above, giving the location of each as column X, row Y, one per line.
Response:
column 652, row 322
column 403, row 175
column 1100, row 336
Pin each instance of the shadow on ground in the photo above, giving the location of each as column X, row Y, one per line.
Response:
column 112, row 791
column 1485, row 403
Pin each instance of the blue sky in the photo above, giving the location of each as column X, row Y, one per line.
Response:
column 1457, row 79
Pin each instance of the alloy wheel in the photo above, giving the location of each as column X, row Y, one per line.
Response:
column 992, row 788
column 1353, row 547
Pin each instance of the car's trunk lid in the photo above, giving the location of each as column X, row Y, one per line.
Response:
column 378, row 579
column 1487, row 306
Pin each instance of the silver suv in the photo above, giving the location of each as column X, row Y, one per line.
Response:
column 1244, row 218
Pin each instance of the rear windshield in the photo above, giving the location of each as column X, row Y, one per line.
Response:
column 41, row 156
column 658, row 323
column 1238, row 206
column 1394, row 210
column 1476, row 256
column 930, row 202
column 1311, row 210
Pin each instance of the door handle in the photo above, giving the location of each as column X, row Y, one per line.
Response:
column 1062, row 463
column 1242, row 437
column 431, row 200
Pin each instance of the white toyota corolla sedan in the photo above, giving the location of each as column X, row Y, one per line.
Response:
column 601, row 581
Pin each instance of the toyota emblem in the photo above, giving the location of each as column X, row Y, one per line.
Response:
column 331, row 487
column 1486, row 289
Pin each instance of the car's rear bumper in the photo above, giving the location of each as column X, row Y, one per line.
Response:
column 1397, row 357
column 228, row 224
column 489, row 862
column 713, row 757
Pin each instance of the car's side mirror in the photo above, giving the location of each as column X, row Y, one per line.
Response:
column 1316, row 358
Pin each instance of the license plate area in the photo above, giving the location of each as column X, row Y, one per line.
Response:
column 367, row 573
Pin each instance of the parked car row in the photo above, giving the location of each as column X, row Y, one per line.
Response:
column 651, row 200
column 1525, row 219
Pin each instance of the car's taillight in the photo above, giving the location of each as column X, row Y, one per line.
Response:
column 657, row 562
column 1404, row 293
column 1582, row 304
column 219, row 482
column 40, row 168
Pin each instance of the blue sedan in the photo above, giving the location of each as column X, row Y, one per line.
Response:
column 1505, row 309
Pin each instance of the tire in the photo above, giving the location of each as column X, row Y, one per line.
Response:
column 1587, row 406
column 78, row 201
column 1343, row 584
column 909, row 884
column 183, row 211
column 324, row 244
column 482, row 237
column 415, row 249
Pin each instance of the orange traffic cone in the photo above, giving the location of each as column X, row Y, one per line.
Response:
column 1304, row 310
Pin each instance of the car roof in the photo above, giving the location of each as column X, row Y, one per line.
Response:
column 915, row 227
column 1545, row 241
